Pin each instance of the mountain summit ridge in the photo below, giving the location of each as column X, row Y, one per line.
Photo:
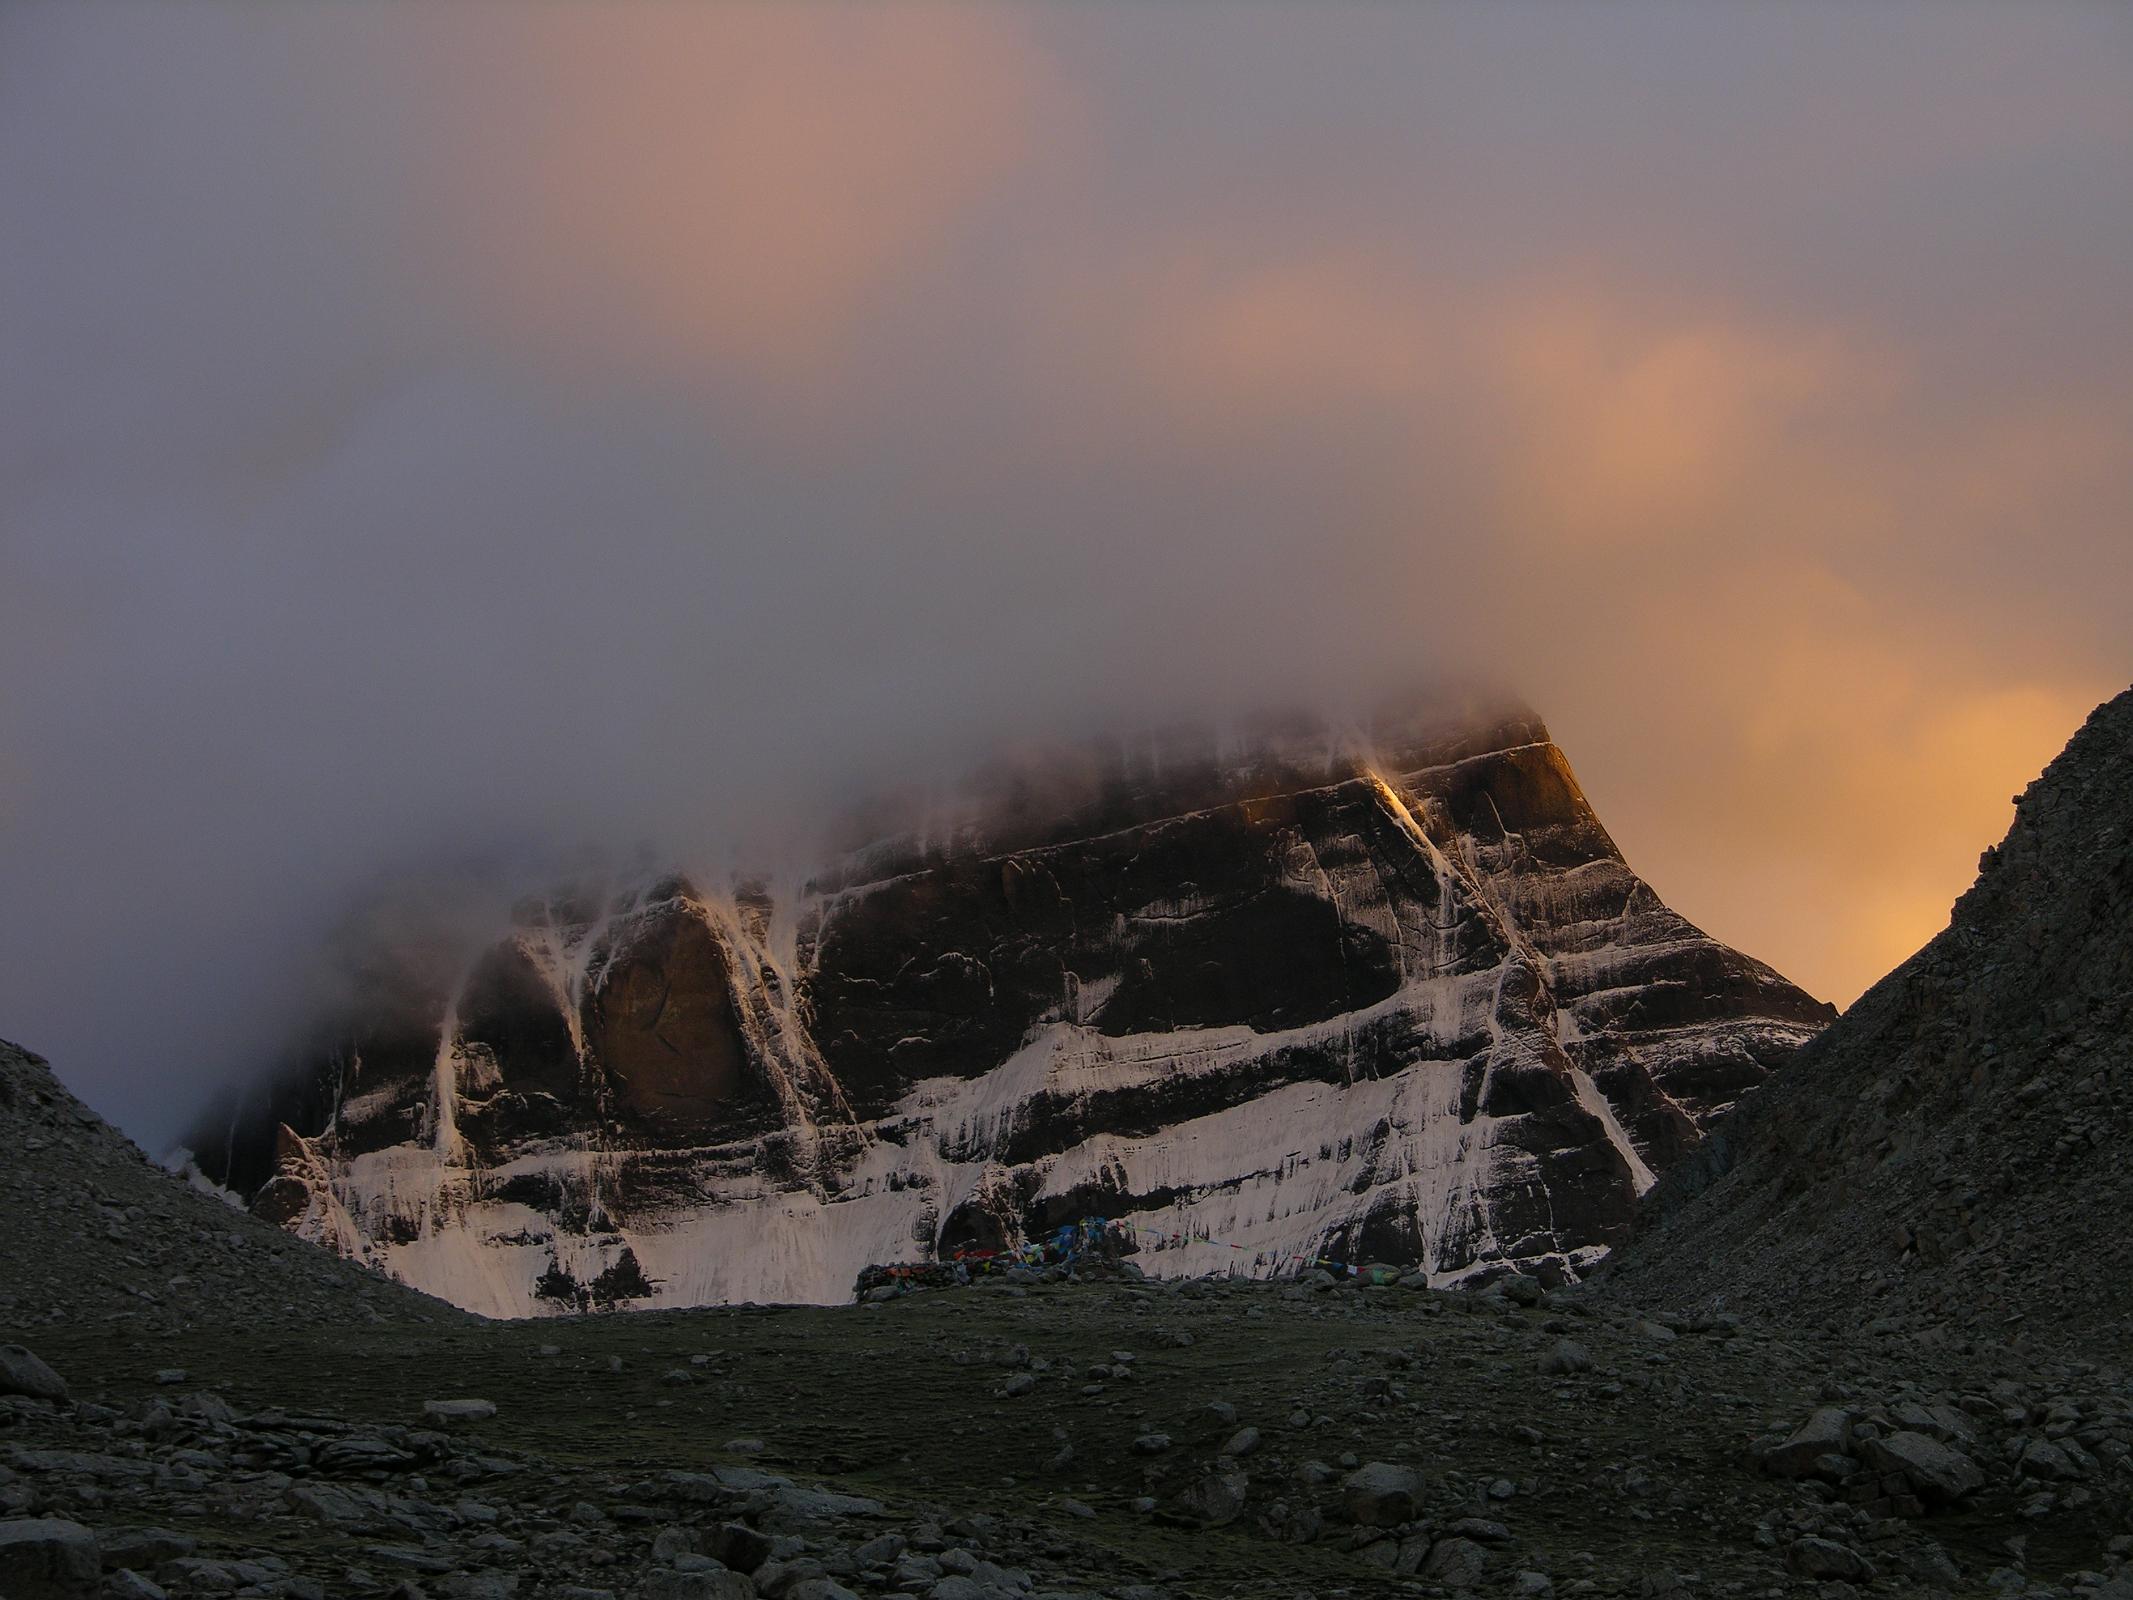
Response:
column 1397, row 998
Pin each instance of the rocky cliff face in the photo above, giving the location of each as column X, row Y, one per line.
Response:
column 1952, row 1151
column 1395, row 997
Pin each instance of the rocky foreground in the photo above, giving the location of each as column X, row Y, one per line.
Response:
column 1122, row 1440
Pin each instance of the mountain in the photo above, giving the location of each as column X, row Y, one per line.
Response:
column 1388, row 996
column 1953, row 1150
column 94, row 1235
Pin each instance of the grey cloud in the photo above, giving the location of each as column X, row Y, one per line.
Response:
column 325, row 551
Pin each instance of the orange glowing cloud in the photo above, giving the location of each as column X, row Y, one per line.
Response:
column 674, row 189
column 1849, row 764
column 1710, row 522
column 1633, row 428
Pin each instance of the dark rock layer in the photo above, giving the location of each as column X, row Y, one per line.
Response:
column 1394, row 996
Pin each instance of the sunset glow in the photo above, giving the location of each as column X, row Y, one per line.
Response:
column 724, row 398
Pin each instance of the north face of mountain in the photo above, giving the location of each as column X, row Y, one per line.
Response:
column 1393, row 996
column 1954, row 1149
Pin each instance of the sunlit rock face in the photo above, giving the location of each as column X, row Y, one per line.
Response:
column 1387, row 996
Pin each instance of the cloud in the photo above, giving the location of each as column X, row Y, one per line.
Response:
column 1734, row 554
column 675, row 187
column 433, row 434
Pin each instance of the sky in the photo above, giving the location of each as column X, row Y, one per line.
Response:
column 447, row 429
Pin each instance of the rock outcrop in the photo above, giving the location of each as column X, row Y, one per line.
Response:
column 1394, row 997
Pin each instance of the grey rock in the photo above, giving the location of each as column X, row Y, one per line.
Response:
column 358, row 1455
column 1826, row 1433
column 675, row 1541
column 22, row 1373
column 1824, row 1559
column 47, row 1558
column 1482, row 1530
column 1565, row 1357
column 1381, row 1493
column 2042, row 1458
column 457, row 1413
column 739, row 1546
column 1459, row 1563
column 207, row 1406
column 1935, row 1473
column 879, row 1552
column 1217, row 1499
column 811, row 1505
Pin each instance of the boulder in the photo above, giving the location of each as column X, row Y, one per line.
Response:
column 1457, row 1563
column 670, row 1542
column 1565, row 1357
column 741, row 1547
column 1381, row 1493
column 1823, row 1559
column 1827, row 1433
column 1216, row 1500
column 1936, row 1474
column 22, row 1373
column 2041, row 1458
column 46, row 1558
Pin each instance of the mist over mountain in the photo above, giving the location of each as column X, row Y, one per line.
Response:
column 787, row 800
column 1376, row 992
column 424, row 441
